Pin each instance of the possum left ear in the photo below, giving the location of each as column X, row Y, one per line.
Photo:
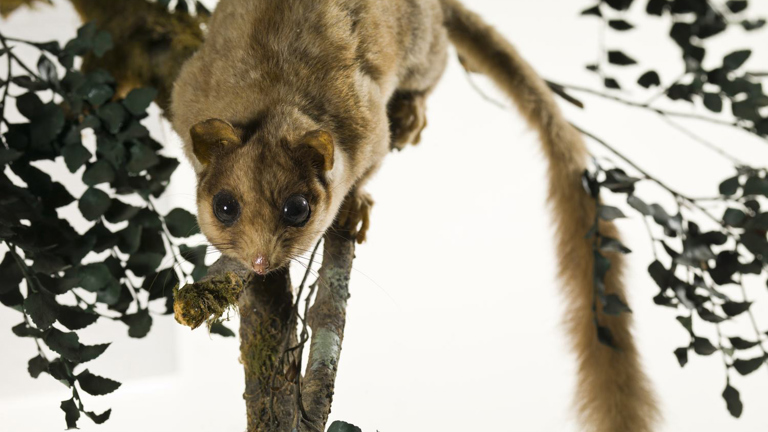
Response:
column 211, row 137
column 321, row 142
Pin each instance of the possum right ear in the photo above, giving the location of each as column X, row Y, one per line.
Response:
column 210, row 137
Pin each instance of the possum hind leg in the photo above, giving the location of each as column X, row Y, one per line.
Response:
column 407, row 118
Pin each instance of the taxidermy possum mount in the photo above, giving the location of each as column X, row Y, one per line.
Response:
column 290, row 106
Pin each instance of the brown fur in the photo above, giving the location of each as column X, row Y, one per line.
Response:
column 613, row 393
column 279, row 69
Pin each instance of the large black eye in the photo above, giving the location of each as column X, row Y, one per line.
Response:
column 296, row 211
column 226, row 208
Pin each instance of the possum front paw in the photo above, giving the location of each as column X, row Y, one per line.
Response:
column 355, row 211
column 407, row 114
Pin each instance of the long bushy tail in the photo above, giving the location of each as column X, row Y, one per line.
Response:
column 613, row 393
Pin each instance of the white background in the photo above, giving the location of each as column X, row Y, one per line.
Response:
column 454, row 320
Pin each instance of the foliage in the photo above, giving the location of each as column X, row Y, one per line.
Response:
column 700, row 272
column 62, row 280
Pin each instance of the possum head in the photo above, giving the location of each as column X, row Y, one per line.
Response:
column 264, row 198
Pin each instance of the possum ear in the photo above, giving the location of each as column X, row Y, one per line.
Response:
column 211, row 136
column 322, row 143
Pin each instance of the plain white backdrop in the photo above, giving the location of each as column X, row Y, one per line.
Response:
column 454, row 321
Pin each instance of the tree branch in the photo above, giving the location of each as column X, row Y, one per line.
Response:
column 327, row 319
column 268, row 337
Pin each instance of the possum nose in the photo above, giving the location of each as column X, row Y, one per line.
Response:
column 261, row 265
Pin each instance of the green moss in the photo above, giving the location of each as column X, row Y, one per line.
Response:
column 206, row 302
column 259, row 353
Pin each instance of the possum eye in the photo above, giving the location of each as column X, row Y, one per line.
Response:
column 226, row 208
column 296, row 211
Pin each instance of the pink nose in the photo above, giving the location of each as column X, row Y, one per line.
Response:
column 261, row 265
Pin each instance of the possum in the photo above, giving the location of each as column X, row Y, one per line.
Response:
column 290, row 106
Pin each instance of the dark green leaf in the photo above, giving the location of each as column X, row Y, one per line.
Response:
column 609, row 213
column 75, row 155
column 109, row 294
column 756, row 186
column 28, row 83
column 142, row 157
column 734, row 217
column 703, row 346
column 731, row 396
column 30, row 105
column 613, row 305
column 611, row 83
column 99, row 418
column 36, row 366
column 733, row 309
column 100, row 172
column 94, row 277
column 42, row 308
column 619, row 5
column 750, row 25
column 144, row 263
column 605, row 337
column 736, row 59
column 708, row 315
column 682, row 355
column 687, row 323
column 340, row 426
column 656, row 7
column 594, row 11
column 48, row 264
column 71, row 413
column 746, row 367
column 60, row 369
column 47, row 70
column 611, row 244
column 138, row 100
column 74, row 318
column 120, row 212
column 113, row 115
column 96, row 385
column 730, row 187
column 741, row 344
column 621, row 25
column 619, row 58
column 8, row 155
column 99, row 94
column 638, row 204
column 181, row 223
column 138, row 323
column 91, row 352
column 66, row 344
column 220, row 329
column 102, row 43
column 23, row 330
column 736, row 6
column 714, row 103
column 649, row 79
column 130, row 239
column 660, row 274
column 616, row 180
column 94, row 203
